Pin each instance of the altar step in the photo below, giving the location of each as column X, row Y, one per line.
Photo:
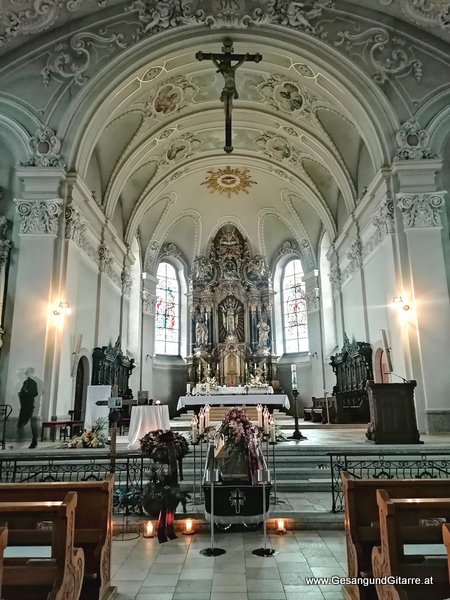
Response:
column 297, row 470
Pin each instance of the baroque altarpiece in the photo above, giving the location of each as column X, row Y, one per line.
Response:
column 230, row 299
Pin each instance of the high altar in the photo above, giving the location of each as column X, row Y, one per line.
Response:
column 231, row 299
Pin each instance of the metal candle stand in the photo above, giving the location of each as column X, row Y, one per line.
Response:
column 297, row 435
column 263, row 476
column 212, row 476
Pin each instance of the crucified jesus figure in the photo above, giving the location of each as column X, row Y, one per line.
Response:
column 228, row 71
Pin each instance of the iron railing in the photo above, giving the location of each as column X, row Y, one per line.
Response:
column 426, row 464
column 132, row 472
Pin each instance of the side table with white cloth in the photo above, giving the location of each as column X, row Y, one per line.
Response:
column 144, row 419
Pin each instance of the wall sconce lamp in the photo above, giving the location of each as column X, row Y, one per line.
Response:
column 61, row 309
column 401, row 302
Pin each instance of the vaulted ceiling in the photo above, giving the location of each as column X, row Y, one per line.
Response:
column 299, row 165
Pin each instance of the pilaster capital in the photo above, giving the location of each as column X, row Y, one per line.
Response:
column 312, row 299
column 148, row 302
column 39, row 217
column 421, row 209
column 127, row 281
column 335, row 278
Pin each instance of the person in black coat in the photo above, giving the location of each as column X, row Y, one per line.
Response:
column 27, row 395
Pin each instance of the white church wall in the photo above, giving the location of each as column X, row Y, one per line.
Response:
column 109, row 312
column 81, row 293
column 380, row 282
column 169, row 381
column 352, row 298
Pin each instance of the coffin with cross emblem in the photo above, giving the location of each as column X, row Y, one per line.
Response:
column 237, row 502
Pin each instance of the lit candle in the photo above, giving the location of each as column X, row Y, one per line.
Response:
column 207, row 407
column 188, row 389
column 194, row 424
column 188, row 527
column 294, row 376
column 148, row 530
column 272, row 429
column 201, row 421
column 259, row 409
column 280, row 526
column 266, row 420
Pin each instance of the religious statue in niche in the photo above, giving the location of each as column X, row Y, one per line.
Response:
column 231, row 319
column 263, row 333
column 201, row 332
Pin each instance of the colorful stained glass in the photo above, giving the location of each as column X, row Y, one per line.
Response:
column 294, row 308
column 167, row 310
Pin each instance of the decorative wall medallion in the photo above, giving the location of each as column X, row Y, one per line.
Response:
column 171, row 97
column 45, row 150
column 167, row 99
column 285, row 95
column 412, row 142
column 229, row 180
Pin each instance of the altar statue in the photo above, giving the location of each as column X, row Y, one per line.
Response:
column 201, row 333
column 257, row 380
column 263, row 328
column 230, row 319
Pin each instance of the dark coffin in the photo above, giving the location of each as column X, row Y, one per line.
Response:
column 237, row 502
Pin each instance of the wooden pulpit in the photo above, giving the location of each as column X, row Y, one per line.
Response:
column 392, row 413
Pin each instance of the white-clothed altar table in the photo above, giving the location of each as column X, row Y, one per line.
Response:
column 236, row 399
column 240, row 390
column 144, row 419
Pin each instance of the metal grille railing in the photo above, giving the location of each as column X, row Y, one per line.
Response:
column 389, row 465
column 132, row 472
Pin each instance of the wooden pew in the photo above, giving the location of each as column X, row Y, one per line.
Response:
column 446, row 540
column 56, row 578
column 413, row 521
column 93, row 526
column 3, row 542
column 362, row 530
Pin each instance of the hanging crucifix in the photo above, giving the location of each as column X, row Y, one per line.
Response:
column 228, row 71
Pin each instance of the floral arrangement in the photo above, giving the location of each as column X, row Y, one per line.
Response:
column 155, row 445
column 236, row 428
column 96, row 437
column 240, row 449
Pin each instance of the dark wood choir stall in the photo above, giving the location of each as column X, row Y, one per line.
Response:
column 92, row 527
column 353, row 368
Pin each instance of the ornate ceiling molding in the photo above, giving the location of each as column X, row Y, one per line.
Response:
column 30, row 17
column 388, row 54
column 427, row 13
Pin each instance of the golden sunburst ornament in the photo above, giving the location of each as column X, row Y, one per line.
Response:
column 228, row 180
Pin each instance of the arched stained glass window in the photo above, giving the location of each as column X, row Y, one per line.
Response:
column 295, row 325
column 167, row 315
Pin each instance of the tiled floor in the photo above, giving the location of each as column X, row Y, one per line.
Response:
column 143, row 569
